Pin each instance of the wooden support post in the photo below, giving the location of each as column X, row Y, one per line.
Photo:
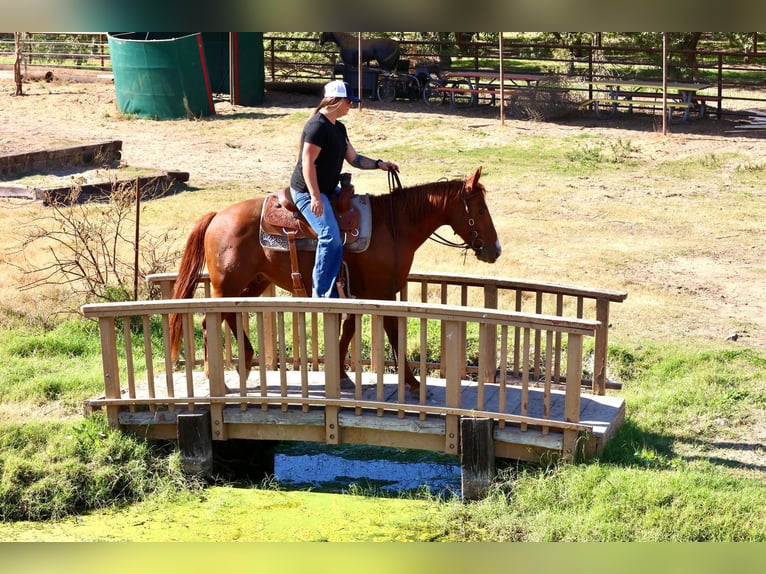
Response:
column 572, row 394
column 268, row 346
column 601, row 347
column 195, row 443
column 111, row 368
column 216, row 373
column 477, row 459
column 332, row 376
column 453, row 366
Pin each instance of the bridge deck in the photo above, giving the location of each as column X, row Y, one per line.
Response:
column 603, row 413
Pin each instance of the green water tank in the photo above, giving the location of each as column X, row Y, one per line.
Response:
column 169, row 75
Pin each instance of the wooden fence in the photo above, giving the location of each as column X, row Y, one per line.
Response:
column 299, row 402
column 495, row 293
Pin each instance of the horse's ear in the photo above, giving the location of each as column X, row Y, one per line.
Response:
column 473, row 181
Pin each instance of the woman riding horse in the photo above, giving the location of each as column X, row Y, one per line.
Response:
column 324, row 146
column 228, row 242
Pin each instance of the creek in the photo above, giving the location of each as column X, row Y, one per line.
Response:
column 379, row 470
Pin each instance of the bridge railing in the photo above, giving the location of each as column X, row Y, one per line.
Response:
column 136, row 349
column 528, row 297
column 503, row 293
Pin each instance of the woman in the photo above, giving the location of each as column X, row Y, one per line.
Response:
column 324, row 147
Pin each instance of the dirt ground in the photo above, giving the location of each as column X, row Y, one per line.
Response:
column 727, row 285
column 720, row 292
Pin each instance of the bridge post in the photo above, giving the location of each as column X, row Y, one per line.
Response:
column 477, row 459
column 195, row 443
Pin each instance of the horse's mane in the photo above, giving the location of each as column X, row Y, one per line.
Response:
column 418, row 201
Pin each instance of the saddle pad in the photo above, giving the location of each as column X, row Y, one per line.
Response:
column 278, row 242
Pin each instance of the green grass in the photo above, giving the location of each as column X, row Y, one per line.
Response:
column 607, row 503
column 53, row 470
column 659, row 479
column 55, row 363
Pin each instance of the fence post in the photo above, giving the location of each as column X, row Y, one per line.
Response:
column 216, row 373
column 332, row 375
column 601, row 343
column 572, row 393
column 111, row 369
column 453, row 367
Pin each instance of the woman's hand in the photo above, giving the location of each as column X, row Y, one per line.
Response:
column 317, row 205
column 388, row 166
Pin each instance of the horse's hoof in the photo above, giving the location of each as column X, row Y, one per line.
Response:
column 415, row 393
column 347, row 384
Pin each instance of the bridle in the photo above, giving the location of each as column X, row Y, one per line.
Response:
column 476, row 244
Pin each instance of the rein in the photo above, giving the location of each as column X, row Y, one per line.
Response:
column 395, row 183
column 475, row 244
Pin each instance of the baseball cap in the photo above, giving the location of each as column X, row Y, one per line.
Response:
column 339, row 89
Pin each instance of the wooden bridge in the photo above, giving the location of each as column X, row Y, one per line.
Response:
column 524, row 373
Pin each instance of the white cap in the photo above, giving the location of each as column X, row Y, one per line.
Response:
column 338, row 89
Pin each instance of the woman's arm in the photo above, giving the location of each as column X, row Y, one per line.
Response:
column 364, row 162
column 309, row 155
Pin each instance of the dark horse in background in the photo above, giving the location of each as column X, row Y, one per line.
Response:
column 384, row 51
column 228, row 242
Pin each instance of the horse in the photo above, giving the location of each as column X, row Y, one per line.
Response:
column 228, row 242
column 384, row 51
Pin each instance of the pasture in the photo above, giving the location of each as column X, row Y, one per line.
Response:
column 676, row 221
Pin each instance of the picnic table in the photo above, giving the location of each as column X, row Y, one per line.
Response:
column 466, row 87
column 681, row 97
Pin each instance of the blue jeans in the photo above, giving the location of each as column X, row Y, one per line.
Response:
column 329, row 251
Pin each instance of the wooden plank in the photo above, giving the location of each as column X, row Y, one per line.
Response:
column 572, row 400
column 148, row 356
column 396, row 439
column 532, row 437
column 152, row 186
column 277, row 417
column 429, row 425
column 98, row 154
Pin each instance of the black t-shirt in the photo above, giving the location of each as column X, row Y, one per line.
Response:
column 332, row 138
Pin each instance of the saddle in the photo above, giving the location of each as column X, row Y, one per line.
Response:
column 283, row 227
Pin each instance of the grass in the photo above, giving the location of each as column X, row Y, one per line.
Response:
column 607, row 503
column 661, row 478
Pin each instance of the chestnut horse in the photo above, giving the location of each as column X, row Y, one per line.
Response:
column 228, row 242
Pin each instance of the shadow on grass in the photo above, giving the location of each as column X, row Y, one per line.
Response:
column 635, row 446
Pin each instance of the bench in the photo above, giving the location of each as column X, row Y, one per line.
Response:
column 702, row 100
column 698, row 100
column 614, row 102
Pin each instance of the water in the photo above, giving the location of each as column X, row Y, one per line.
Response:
column 371, row 469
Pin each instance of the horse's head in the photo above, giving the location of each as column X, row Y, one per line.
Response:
column 326, row 37
column 474, row 225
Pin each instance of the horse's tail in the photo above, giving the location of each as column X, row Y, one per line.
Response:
column 192, row 263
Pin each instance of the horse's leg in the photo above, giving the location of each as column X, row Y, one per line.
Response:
column 390, row 324
column 255, row 289
column 347, row 333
